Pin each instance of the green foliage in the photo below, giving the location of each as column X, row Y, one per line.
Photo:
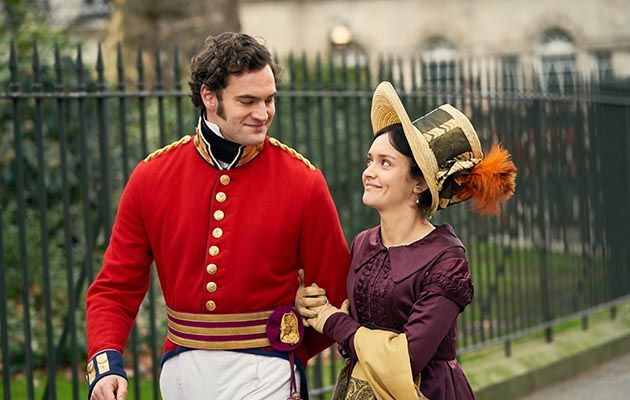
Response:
column 72, row 225
column 23, row 23
column 24, row 231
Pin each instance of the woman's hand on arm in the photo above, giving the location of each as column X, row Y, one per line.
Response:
column 312, row 304
column 324, row 312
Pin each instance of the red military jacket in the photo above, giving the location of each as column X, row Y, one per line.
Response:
column 223, row 241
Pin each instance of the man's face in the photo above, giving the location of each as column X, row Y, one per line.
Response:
column 246, row 108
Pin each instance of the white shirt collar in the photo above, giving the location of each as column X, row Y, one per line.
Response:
column 214, row 127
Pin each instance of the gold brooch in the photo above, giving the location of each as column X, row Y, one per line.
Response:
column 289, row 332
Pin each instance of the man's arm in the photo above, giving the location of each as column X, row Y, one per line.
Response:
column 114, row 298
column 323, row 252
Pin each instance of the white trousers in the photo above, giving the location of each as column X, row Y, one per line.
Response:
column 225, row 375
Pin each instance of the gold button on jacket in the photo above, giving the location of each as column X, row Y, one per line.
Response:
column 225, row 179
column 211, row 269
column 168, row 213
column 221, row 197
column 219, row 215
column 217, row 233
column 211, row 287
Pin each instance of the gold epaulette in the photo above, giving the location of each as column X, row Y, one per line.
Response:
column 167, row 148
column 295, row 154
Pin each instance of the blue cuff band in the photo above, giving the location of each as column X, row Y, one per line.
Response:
column 108, row 362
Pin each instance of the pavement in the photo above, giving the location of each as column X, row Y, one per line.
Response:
column 536, row 367
column 608, row 381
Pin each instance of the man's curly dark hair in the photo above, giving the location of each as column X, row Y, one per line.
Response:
column 225, row 54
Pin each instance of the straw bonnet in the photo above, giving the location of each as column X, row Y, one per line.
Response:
column 446, row 148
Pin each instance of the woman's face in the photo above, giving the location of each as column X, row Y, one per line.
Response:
column 387, row 182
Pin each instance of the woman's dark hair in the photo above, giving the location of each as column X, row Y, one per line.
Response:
column 223, row 55
column 398, row 140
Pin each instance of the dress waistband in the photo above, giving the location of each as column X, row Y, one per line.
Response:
column 218, row 331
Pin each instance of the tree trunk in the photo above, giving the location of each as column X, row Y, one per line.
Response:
column 147, row 24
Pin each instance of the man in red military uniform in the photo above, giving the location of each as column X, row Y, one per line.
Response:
column 228, row 215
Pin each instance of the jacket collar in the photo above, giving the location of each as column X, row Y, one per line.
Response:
column 404, row 260
column 222, row 151
column 248, row 153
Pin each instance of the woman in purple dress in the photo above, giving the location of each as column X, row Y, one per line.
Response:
column 408, row 279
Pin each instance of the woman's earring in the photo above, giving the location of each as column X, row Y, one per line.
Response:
column 418, row 200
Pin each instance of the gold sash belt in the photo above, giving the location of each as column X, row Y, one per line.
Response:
column 219, row 331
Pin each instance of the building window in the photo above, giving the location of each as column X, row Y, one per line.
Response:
column 557, row 55
column 509, row 66
column 438, row 62
column 603, row 62
column 93, row 8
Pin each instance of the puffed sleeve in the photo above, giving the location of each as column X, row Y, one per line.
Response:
column 446, row 291
column 450, row 277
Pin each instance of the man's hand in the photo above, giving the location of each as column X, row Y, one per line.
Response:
column 111, row 387
column 308, row 297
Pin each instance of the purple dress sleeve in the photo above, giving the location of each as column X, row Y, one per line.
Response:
column 431, row 319
column 450, row 277
column 445, row 292
column 341, row 328
column 429, row 322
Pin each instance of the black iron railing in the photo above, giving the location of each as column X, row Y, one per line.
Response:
column 72, row 132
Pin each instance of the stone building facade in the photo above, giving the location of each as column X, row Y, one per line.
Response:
column 591, row 37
